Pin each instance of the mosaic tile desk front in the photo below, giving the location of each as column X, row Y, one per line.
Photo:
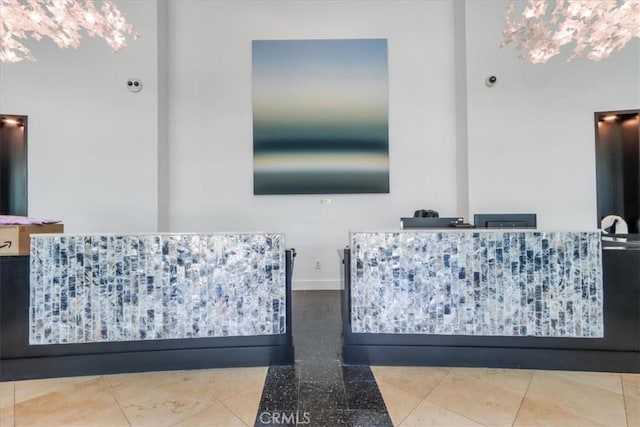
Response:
column 477, row 283
column 143, row 287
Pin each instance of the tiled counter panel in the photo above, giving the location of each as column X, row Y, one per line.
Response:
column 477, row 283
column 491, row 298
column 97, row 304
column 128, row 288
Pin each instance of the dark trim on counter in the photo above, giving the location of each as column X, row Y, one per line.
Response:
column 143, row 361
column 494, row 357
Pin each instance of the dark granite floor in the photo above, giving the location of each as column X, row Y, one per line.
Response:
column 318, row 390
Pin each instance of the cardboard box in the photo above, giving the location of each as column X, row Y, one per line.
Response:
column 15, row 240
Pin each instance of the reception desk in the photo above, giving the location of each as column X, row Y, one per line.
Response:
column 523, row 299
column 93, row 304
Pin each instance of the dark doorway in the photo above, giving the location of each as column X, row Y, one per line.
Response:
column 618, row 165
column 13, row 164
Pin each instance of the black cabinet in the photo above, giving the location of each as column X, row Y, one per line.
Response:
column 14, row 306
column 621, row 277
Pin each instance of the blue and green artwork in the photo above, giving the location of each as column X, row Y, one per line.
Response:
column 320, row 116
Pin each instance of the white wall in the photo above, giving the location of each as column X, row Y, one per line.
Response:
column 531, row 137
column 101, row 159
column 210, row 131
column 91, row 143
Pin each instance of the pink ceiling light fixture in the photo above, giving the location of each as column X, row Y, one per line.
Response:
column 597, row 27
column 60, row 20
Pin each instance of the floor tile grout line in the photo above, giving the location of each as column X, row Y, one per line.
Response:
column 14, row 404
column 242, row 391
column 622, row 388
column 410, row 412
column 524, row 396
column 454, row 412
column 238, row 416
column 237, row 394
column 375, row 380
column 449, row 370
column 427, row 395
column 421, row 399
column 102, row 378
column 556, row 373
column 447, row 409
column 624, row 393
column 624, row 401
column 579, row 384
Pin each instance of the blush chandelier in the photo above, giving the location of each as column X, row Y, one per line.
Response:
column 60, row 20
column 597, row 27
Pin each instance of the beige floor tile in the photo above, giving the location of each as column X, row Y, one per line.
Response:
column 604, row 380
column 631, row 385
column 513, row 380
column 29, row 389
column 86, row 404
column 214, row 415
column 245, row 404
column 579, row 399
column 219, row 383
column 428, row 414
column 632, row 407
column 6, row 393
column 399, row 403
column 225, row 383
column 133, row 384
column 164, row 405
column 111, row 416
column 7, row 422
column 416, row 380
column 165, row 399
column 476, row 399
column 536, row 414
column 6, row 402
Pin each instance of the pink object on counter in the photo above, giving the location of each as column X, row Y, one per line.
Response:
column 24, row 220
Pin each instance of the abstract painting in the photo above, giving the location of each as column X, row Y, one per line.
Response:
column 320, row 116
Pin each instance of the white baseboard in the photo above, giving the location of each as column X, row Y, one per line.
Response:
column 316, row 285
